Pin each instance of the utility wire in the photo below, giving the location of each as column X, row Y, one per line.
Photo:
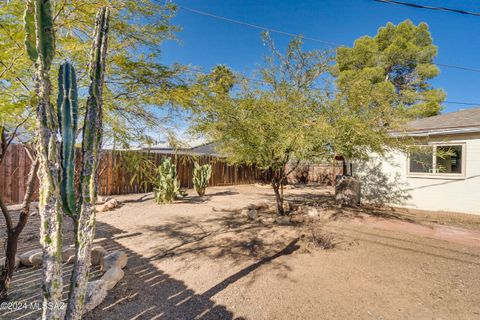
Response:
column 256, row 26
column 419, row 6
column 331, row 44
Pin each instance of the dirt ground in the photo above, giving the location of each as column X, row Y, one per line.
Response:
column 201, row 259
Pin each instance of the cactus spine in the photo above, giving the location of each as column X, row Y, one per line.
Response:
column 40, row 45
column 67, row 108
column 91, row 143
column 201, row 177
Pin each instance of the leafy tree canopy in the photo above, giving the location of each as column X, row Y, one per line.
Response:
column 136, row 82
column 399, row 60
column 269, row 122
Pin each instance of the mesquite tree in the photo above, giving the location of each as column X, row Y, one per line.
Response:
column 57, row 155
column 273, row 122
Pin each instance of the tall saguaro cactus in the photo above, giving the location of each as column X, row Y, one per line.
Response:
column 40, row 44
column 91, row 143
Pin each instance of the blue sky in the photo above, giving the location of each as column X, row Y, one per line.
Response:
column 205, row 42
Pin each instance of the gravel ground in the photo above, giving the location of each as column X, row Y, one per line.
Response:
column 199, row 258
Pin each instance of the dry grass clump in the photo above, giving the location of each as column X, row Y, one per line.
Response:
column 314, row 237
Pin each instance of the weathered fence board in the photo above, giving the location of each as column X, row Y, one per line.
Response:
column 113, row 180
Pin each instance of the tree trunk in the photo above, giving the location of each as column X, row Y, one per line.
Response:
column 278, row 197
column 9, row 267
column 13, row 234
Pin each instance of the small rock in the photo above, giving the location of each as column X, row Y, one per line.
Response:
column 267, row 220
column 313, row 212
column 297, row 218
column 115, row 259
column 110, row 205
column 97, row 255
column 283, row 220
column 96, row 293
column 102, row 208
column 272, row 207
column 300, row 209
column 259, row 206
column 250, row 213
column 31, row 258
column 112, row 276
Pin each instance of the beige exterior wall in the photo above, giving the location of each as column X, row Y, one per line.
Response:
column 385, row 180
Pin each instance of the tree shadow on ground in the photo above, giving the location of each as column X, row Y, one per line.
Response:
column 228, row 236
column 149, row 293
column 144, row 293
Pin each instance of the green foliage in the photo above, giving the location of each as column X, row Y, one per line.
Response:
column 397, row 64
column 201, row 177
column 271, row 123
column 67, row 108
column 136, row 82
column 167, row 186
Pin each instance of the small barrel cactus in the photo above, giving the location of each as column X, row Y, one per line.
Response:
column 167, row 187
column 201, row 177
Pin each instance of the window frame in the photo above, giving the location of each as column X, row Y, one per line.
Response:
column 440, row 175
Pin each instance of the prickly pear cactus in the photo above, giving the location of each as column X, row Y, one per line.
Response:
column 167, row 187
column 201, row 177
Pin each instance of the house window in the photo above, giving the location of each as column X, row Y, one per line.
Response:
column 437, row 160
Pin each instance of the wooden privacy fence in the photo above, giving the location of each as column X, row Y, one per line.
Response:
column 113, row 180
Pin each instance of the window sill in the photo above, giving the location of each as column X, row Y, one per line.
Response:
column 440, row 176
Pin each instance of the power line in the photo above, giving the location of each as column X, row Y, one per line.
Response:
column 211, row 15
column 272, row 30
column 419, row 6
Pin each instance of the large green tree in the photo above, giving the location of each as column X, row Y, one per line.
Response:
column 399, row 60
column 136, row 81
column 271, row 122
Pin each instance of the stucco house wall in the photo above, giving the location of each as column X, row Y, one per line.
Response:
column 386, row 180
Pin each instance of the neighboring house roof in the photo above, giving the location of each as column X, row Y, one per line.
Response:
column 202, row 149
column 462, row 121
column 206, row 148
